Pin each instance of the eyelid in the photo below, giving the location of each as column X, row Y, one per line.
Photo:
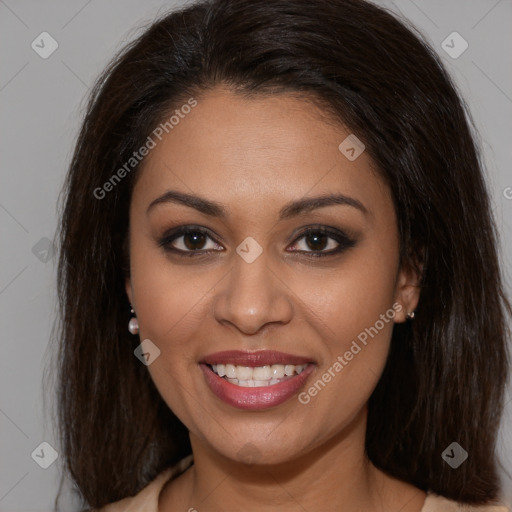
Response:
column 343, row 239
column 173, row 234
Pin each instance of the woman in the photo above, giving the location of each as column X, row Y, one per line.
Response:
column 279, row 279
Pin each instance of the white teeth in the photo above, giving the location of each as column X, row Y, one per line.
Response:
column 261, row 373
column 244, row 373
column 230, row 371
column 246, row 376
column 277, row 371
column 255, row 383
column 289, row 369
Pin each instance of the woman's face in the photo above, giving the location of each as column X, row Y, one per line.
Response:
column 251, row 283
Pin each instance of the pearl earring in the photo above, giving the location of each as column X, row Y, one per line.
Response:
column 133, row 324
column 410, row 315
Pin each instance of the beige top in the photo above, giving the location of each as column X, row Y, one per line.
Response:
column 147, row 499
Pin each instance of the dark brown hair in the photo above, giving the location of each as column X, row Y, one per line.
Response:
column 445, row 375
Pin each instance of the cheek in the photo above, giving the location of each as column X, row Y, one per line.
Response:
column 169, row 310
column 169, row 299
column 352, row 297
column 353, row 311
column 355, row 314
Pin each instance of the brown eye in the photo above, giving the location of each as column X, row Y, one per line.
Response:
column 194, row 239
column 187, row 241
column 317, row 240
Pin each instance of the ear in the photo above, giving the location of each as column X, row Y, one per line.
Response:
column 407, row 291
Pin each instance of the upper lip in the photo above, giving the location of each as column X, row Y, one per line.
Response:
column 253, row 359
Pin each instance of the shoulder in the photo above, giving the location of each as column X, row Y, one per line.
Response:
column 436, row 503
column 146, row 500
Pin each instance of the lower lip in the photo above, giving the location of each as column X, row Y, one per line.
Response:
column 258, row 398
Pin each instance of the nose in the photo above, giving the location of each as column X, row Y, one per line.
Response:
column 252, row 297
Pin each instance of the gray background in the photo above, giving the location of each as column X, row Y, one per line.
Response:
column 42, row 103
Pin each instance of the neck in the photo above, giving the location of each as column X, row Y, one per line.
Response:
column 336, row 475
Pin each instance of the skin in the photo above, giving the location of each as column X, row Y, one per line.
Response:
column 253, row 156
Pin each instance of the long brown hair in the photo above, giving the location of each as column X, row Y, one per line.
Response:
column 446, row 372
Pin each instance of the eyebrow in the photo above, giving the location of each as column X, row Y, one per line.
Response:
column 288, row 211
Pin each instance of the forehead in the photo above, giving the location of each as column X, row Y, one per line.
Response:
column 266, row 150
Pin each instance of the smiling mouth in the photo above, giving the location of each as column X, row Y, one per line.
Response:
column 258, row 376
column 255, row 380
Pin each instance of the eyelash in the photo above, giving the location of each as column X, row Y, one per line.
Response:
column 344, row 241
